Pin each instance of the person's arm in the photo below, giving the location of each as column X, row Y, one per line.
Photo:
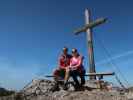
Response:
column 70, row 63
column 60, row 62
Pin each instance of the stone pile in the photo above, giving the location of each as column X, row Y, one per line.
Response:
column 45, row 90
column 41, row 89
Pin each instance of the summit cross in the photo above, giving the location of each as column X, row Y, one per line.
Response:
column 89, row 25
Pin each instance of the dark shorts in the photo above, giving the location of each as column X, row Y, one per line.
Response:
column 60, row 73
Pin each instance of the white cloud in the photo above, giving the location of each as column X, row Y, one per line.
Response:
column 115, row 57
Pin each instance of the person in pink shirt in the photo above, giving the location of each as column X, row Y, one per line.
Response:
column 76, row 68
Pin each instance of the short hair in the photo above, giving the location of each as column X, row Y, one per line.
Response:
column 65, row 49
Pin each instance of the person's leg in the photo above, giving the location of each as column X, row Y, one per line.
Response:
column 82, row 76
column 67, row 72
column 66, row 77
column 56, row 74
column 82, row 80
column 74, row 76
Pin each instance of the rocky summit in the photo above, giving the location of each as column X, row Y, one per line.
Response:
column 41, row 89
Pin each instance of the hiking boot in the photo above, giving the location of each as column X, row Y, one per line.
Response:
column 65, row 86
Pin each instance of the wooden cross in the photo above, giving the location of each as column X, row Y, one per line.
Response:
column 88, row 29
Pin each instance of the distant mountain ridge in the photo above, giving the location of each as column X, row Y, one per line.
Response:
column 5, row 92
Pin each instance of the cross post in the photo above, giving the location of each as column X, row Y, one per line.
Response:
column 88, row 29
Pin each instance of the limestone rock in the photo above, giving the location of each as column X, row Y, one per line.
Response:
column 41, row 89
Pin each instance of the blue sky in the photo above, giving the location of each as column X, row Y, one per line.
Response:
column 33, row 32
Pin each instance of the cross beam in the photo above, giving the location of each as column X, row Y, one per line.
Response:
column 90, row 25
column 88, row 29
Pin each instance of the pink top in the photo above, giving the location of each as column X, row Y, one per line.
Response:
column 76, row 62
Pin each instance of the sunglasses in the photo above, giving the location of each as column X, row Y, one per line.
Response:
column 73, row 52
